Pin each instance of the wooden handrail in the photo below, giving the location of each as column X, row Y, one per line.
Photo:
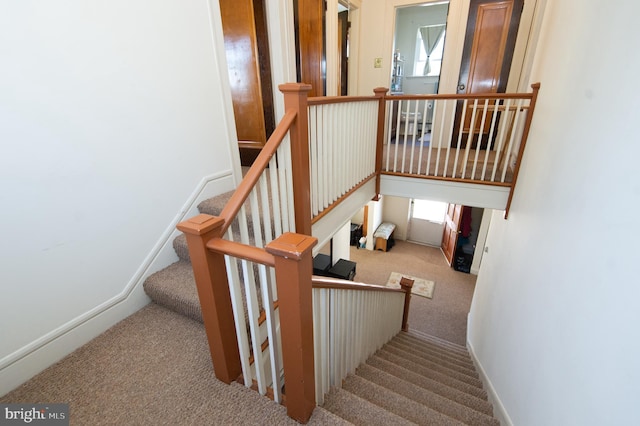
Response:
column 341, row 199
column 471, row 96
column 340, row 284
column 241, row 251
column 231, row 209
column 326, row 100
column 523, row 143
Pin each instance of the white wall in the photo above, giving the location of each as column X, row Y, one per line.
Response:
column 396, row 210
column 341, row 243
column 554, row 319
column 374, row 220
column 112, row 123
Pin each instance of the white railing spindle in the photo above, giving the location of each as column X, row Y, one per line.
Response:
column 349, row 326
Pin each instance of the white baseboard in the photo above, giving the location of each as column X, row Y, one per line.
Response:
column 499, row 412
column 19, row 366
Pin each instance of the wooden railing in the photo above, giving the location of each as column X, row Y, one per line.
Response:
column 342, row 144
column 253, row 263
column 476, row 139
column 461, row 138
column 350, row 322
column 257, row 255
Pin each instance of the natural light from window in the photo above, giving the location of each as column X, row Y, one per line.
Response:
column 435, row 61
column 433, row 211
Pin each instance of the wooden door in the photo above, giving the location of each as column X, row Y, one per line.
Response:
column 343, row 42
column 451, row 231
column 247, row 50
column 490, row 39
column 310, row 52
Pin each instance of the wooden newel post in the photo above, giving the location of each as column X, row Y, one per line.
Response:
column 406, row 285
column 294, row 267
column 380, row 93
column 295, row 98
column 213, row 291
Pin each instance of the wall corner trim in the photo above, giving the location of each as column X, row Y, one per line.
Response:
column 499, row 411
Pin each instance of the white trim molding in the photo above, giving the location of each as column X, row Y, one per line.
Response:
column 21, row 365
column 499, row 411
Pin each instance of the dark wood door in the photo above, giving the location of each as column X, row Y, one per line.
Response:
column 343, row 42
column 489, row 43
column 451, row 231
column 310, row 51
column 247, row 51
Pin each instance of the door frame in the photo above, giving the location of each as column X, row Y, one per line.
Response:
column 456, row 24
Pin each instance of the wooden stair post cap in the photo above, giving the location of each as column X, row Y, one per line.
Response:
column 406, row 283
column 380, row 91
column 291, row 246
column 200, row 224
column 294, row 87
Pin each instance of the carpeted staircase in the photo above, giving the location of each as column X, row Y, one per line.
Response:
column 413, row 379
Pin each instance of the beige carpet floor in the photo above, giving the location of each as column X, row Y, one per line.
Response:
column 153, row 368
column 444, row 315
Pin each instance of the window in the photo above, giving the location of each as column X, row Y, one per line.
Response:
column 421, row 56
column 433, row 211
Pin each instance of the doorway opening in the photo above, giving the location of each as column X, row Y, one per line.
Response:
column 456, row 229
column 418, row 48
column 426, row 222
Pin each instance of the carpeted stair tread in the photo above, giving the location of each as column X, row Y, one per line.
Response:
column 359, row 411
column 181, row 248
column 451, row 372
column 396, row 403
column 473, row 401
column 214, row 205
column 435, row 349
column 431, row 374
column 437, row 341
column 426, row 397
column 323, row 417
column 443, row 361
column 174, row 287
column 448, row 347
